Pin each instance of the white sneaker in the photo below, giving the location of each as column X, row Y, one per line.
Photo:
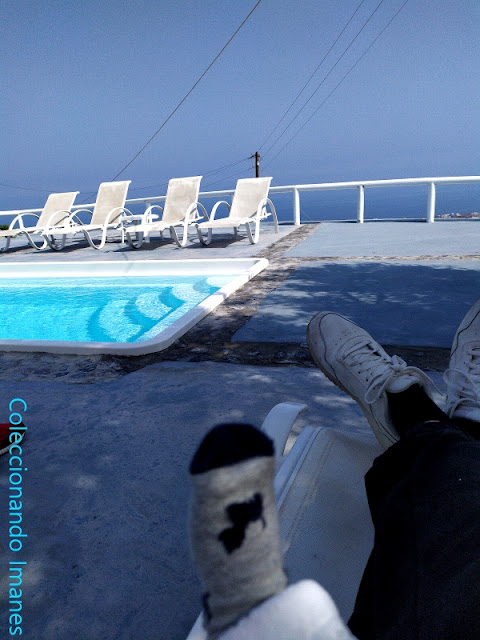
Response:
column 463, row 374
column 356, row 363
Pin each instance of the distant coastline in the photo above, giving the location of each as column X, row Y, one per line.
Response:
column 467, row 216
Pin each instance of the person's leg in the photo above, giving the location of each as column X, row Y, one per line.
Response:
column 234, row 523
column 237, row 549
column 421, row 579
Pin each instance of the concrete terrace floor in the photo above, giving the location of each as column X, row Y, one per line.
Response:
column 110, row 439
column 223, row 245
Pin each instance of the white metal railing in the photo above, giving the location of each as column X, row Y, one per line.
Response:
column 367, row 184
column 296, row 189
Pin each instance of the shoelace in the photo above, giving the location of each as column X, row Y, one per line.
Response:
column 465, row 384
column 378, row 368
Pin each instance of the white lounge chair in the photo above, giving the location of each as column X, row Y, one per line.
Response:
column 249, row 207
column 106, row 216
column 324, row 517
column 180, row 210
column 56, row 210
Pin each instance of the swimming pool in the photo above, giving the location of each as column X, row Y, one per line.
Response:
column 130, row 308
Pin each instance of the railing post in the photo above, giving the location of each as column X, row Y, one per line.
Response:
column 431, row 203
column 296, row 207
column 360, row 202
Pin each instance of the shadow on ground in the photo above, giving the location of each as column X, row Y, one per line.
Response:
column 399, row 303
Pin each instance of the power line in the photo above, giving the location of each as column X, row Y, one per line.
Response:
column 186, row 95
column 310, row 78
column 12, row 186
column 234, row 175
column 325, row 77
column 336, row 87
column 208, row 173
column 227, row 166
column 164, row 184
column 168, row 117
column 150, row 186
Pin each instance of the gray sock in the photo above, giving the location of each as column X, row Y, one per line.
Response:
column 234, row 524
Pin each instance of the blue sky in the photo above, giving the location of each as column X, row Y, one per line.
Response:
column 85, row 85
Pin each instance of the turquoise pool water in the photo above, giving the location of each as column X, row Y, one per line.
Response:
column 123, row 309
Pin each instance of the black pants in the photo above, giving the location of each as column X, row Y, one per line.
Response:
column 422, row 580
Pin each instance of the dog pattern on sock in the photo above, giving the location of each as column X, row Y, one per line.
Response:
column 241, row 514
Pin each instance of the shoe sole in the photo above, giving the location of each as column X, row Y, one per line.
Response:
column 383, row 435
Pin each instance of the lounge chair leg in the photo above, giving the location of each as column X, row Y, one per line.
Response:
column 91, row 242
column 7, row 244
column 274, row 215
column 139, row 239
column 174, row 235
column 253, row 237
column 53, row 244
column 207, row 240
column 35, row 245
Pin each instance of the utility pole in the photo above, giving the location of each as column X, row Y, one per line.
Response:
column 256, row 155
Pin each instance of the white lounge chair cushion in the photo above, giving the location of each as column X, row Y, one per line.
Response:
column 181, row 193
column 224, row 222
column 81, row 227
column 11, row 233
column 148, row 227
column 324, row 515
column 249, row 193
column 181, row 198
column 56, row 203
column 110, row 196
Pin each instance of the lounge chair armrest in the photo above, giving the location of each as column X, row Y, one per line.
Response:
column 127, row 214
column 279, row 422
column 272, row 213
column 19, row 218
column 73, row 218
column 116, row 215
column 193, row 215
column 215, row 207
column 147, row 216
column 262, row 213
column 66, row 221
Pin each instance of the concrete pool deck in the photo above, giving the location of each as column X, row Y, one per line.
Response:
column 379, row 239
column 109, row 439
column 156, row 249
